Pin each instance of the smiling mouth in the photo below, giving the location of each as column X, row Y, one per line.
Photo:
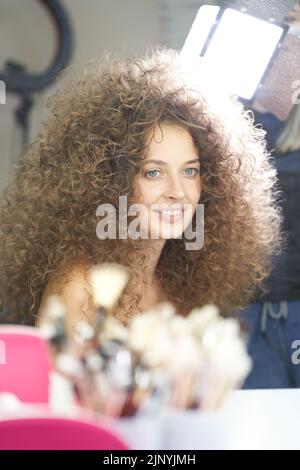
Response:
column 170, row 215
column 170, row 211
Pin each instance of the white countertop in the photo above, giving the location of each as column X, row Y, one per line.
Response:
column 251, row 419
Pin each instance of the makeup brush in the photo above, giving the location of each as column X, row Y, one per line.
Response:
column 108, row 281
column 53, row 323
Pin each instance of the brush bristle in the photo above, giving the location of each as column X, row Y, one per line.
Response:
column 108, row 281
column 54, row 309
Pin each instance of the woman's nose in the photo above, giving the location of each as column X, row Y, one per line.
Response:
column 174, row 189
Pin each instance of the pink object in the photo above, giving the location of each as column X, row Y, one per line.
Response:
column 57, row 434
column 24, row 363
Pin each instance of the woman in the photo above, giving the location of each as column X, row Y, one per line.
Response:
column 105, row 128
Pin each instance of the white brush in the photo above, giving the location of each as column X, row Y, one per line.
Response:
column 108, row 281
column 54, row 309
column 52, row 322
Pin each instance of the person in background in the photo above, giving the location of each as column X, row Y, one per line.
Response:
column 274, row 320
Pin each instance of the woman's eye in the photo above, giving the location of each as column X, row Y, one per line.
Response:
column 191, row 171
column 187, row 171
column 151, row 173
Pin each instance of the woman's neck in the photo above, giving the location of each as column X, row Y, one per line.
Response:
column 153, row 250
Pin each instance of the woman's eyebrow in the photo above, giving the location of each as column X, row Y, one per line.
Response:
column 161, row 162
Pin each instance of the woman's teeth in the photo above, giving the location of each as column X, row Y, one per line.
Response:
column 169, row 212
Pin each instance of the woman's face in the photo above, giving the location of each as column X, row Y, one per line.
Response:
column 168, row 186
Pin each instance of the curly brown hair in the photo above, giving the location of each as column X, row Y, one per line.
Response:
column 89, row 153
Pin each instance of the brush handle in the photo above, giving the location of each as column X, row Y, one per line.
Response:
column 100, row 319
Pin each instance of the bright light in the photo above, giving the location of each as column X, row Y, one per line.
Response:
column 200, row 29
column 239, row 51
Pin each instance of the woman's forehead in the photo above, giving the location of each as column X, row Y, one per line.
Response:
column 169, row 137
